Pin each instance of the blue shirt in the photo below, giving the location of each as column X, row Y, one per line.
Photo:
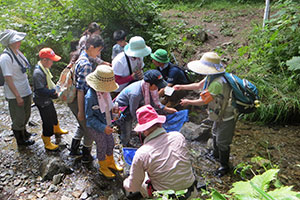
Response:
column 173, row 74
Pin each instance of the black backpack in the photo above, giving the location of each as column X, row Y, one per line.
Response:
column 2, row 80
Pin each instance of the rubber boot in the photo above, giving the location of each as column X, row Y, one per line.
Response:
column 86, row 155
column 111, row 163
column 224, row 160
column 48, row 144
column 214, row 154
column 20, row 138
column 74, row 151
column 27, row 135
column 58, row 130
column 105, row 170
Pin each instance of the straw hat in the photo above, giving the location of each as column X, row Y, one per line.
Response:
column 209, row 64
column 147, row 117
column 11, row 36
column 102, row 79
column 160, row 55
column 137, row 47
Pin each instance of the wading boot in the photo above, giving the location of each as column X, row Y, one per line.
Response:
column 74, row 151
column 48, row 144
column 224, row 160
column 20, row 138
column 86, row 155
column 27, row 135
column 214, row 154
column 111, row 164
column 105, row 170
column 58, row 130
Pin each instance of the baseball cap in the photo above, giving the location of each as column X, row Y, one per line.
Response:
column 153, row 76
column 49, row 53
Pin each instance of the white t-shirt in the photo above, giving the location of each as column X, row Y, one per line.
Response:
column 120, row 67
column 20, row 79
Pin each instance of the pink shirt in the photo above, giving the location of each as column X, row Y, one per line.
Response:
column 166, row 159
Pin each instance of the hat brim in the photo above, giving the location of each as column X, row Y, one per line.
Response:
column 55, row 58
column 100, row 86
column 142, row 127
column 161, row 84
column 200, row 68
column 158, row 60
column 19, row 36
column 137, row 53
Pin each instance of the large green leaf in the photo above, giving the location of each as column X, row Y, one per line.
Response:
column 294, row 63
column 284, row 193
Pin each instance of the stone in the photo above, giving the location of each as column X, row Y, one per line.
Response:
column 52, row 188
column 40, row 195
column 17, row 182
column 53, row 166
column 20, row 190
column 84, row 195
column 192, row 131
column 77, row 193
column 57, row 178
column 65, row 198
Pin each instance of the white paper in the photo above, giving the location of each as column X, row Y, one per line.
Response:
column 169, row 91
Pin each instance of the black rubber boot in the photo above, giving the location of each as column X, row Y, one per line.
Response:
column 86, row 155
column 224, row 160
column 27, row 135
column 75, row 151
column 20, row 137
column 214, row 154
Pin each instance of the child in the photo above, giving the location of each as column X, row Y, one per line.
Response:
column 98, row 106
column 44, row 92
column 120, row 37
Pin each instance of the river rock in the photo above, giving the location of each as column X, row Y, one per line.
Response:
column 84, row 195
column 53, row 166
column 57, row 178
column 52, row 188
column 20, row 190
column 17, row 182
column 192, row 131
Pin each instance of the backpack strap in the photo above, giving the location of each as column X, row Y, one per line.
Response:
column 128, row 63
column 6, row 52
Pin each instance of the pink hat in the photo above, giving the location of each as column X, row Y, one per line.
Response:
column 147, row 117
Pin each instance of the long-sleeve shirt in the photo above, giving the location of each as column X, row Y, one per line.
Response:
column 132, row 96
column 165, row 157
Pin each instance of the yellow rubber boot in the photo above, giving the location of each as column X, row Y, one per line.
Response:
column 58, row 130
column 104, row 169
column 48, row 144
column 112, row 164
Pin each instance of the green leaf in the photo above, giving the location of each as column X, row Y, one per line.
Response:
column 294, row 63
column 284, row 193
column 217, row 196
column 263, row 180
column 261, row 192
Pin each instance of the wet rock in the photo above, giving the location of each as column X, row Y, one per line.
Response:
column 77, row 193
column 84, row 195
column 40, row 195
column 65, row 198
column 53, row 166
column 52, row 188
column 17, row 182
column 192, row 131
column 20, row 190
column 57, row 178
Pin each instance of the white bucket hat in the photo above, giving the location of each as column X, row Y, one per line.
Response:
column 137, row 47
column 209, row 64
column 11, row 36
column 102, row 79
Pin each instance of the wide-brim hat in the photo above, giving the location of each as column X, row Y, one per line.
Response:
column 147, row 117
column 209, row 64
column 137, row 47
column 102, row 79
column 160, row 55
column 11, row 36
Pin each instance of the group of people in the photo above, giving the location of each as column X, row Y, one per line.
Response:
column 162, row 162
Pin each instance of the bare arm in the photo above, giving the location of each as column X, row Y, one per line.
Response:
column 192, row 86
column 195, row 102
column 80, row 102
column 12, row 87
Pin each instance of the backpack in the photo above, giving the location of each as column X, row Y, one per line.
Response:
column 2, row 79
column 66, row 83
column 245, row 94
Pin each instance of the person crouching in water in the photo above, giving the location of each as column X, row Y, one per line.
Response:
column 44, row 92
column 98, row 106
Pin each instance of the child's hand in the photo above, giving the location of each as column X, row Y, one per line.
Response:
column 108, row 130
column 177, row 87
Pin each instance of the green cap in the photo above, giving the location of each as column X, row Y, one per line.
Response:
column 160, row 55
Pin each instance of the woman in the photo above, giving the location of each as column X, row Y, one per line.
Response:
column 98, row 106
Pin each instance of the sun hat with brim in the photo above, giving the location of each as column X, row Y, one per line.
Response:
column 209, row 64
column 160, row 55
column 137, row 47
column 147, row 117
column 49, row 53
column 154, row 76
column 102, row 79
column 9, row 36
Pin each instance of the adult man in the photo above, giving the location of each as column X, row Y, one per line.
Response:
column 171, row 73
column 128, row 65
column 216, row 93
column 163, row 156
column 16, row 87
column 138, row 94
